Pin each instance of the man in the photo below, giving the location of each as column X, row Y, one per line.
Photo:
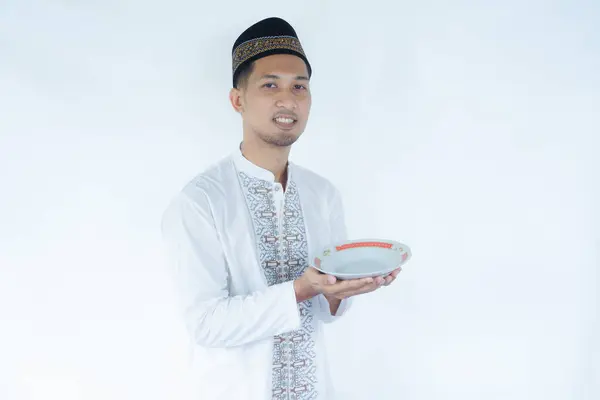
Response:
column 241, row 234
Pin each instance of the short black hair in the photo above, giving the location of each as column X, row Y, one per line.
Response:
column 243, row 75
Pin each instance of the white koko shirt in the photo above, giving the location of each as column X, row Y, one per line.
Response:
column 236, row 242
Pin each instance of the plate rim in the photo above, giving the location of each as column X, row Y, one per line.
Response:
column 404, row 246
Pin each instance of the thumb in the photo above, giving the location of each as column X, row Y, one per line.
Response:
column 330, row 279
column 324, row 279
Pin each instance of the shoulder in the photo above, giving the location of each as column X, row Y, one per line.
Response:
column 206, row 188
column 212, row 182
column 315, row 183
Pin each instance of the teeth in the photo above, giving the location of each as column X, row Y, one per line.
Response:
column 284, row 120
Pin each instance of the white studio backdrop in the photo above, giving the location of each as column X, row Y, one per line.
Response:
column 468, row 130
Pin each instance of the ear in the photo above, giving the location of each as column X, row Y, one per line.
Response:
column 235, row 97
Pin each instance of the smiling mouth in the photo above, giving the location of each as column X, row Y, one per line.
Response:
column 285, row 123
column 285, row 120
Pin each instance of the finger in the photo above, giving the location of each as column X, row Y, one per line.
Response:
column 355, row 284
column 347, row 286
column 391, row 277
column 370, row 285
column 378, row 282
column 375, row 284
column 322, row 278
column 367, row 289
column 327, row 280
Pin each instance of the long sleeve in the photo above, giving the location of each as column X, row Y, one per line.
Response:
column 213, row 317
column 339, row 233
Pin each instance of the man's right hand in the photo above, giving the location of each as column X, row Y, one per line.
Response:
column 313, row 282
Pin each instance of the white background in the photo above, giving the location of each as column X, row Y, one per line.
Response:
column 468, row 130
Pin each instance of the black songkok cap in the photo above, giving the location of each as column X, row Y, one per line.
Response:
column 264, row 38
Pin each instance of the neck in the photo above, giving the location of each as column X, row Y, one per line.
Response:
column 270, row 157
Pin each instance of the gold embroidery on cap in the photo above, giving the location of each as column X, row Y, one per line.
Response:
column 253, row 47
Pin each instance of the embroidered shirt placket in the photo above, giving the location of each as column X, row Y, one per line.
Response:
column 284, row 256
column 284, row 275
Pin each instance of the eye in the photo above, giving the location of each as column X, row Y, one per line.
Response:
column 300, row 87
column 268, row 85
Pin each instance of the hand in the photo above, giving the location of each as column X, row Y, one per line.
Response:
column 313, row 282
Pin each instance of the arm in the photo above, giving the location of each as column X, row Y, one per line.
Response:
column 330, row 310
column 213, row 317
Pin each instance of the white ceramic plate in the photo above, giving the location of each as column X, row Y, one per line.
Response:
column 362, row 258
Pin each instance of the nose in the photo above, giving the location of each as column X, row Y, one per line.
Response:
column 287, row 101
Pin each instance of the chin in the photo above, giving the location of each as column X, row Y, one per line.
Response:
column 282, row 140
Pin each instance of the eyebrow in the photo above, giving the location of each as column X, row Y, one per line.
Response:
column 270, row 76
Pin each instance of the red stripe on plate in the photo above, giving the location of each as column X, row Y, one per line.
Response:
column 364, row 244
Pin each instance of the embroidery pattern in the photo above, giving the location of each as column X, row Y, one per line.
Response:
column 256, row 46
column 284, row 256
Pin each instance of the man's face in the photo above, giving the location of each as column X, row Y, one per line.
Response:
column 275, row 102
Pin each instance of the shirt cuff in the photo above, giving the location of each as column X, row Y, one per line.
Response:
column 290, row 306
column 326, row 311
